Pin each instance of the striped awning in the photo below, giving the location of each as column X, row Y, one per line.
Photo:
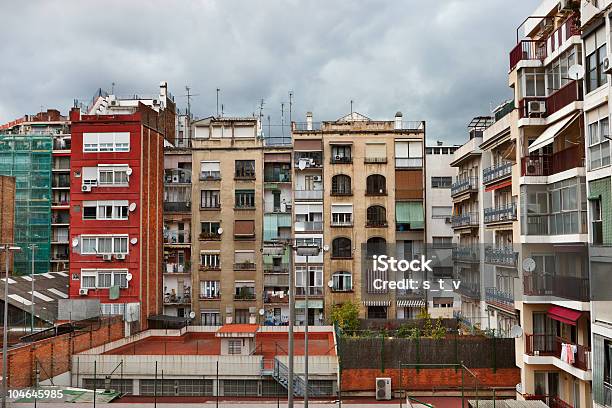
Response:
column 377, row 303
column 411, row 303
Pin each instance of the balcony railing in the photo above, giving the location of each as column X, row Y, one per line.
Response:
column 467, row 253
column 565, row 287
column 209, row 236
column 177, row 207
column 245, row 296
column 499, row 297
column 551, row 345
column 244, row 266
column 276, row 280
column 501, row 256
column 409, row 163
column 313, row 291
column 308, row 195
column 497, row 172
column 276, row 298
column 568, row 222
column 278, row 178
column 469, row 289
column 500, row 214
column 546, row 165
column 542, row 107
column 410, row 294
column 302, row 226
column 177, row 237
column 528, row 50
column 375, row 160
column 176, row 268
column 177, row 176
column 210, row 175
column 551, row 401
column 342, row 224
column 341, row 160
column 465, row 220
column 464, row 185
column 376, row 223
column 276, row 269
column 170, row 298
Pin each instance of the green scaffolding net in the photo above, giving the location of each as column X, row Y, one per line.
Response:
column 28, row 159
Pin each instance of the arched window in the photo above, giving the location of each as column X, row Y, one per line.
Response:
column 342, row 282
column 376, row 246
column 376, row 216
column 341, row 248
column 376, row 184
column 341, row 185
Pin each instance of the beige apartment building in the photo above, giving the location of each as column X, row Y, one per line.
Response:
column 359, row 184
column 554, row 351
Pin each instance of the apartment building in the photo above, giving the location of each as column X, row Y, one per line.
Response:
column 227, row 220
column 359, row 185
column 42, row 216
column 500, row 179
column 117, row 191
column 596, row 28
column 554, row 351
column 469, row 201
column 439, row 231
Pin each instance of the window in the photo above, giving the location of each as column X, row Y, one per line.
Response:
column 245, row 198
column 245, row 169
column 341, row 248
column 210, row 229
column 106, row 142
column 556, row 73
column 244, row 259
column 210, row 170
column 376, row 185
column 244, row 229
column 315, row 279
column 244, row 290
column 534, row 83
column 210, row 260
column 105, row 244
column 210, row 199
column 599, row 144
column 441, row 182
column 109, row 175
column 105, row 210
column 342, row 281
column 442, row 242
column 103, row 279
column 234, row 346
column 595, row 50
column 441, row 212
column 342, row 214
column 376, row 216
column 242, row 316
column 341, row 185
column 408, row 154
column 341, row 154
column 210, row 289
column 375, row 153
column 377, row 312
column 210, row 318
column 88, row 280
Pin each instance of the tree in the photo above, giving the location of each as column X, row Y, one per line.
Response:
column 346, row 316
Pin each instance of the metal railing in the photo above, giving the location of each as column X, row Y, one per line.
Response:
column 532, row 106
column 375, row 160
column 245, row 266
column 497, row 172
column 176, row 268
column 505, row 256
column 409, row 163
column 565, row 287
column 552, row 401
column 547, row 165
column 528, row 50
column 177, row 176
column 177, row 237
column 209, row 236
column 308, row 226
column 463, row 185
column 313, row 291
column 500, row 297
column 568, row 222
column 465, row 220
column 177, row 207
column 551, row 345
column 278, row 178
column 341, row 160
column 467, row 253
column 500, row 214
column 307, row 195
column 210, row 175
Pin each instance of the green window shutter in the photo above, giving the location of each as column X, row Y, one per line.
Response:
column 598, row 369
column 410, row 212
column 270, row 227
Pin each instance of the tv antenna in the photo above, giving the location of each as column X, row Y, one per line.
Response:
column 218, row 91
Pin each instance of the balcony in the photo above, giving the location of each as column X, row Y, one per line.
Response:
column 464, row 185
column 506, row 213
column 499, row 298
column 177, row 207
column 410, row 294
column 375, row 160
column 308, row 226
column 497, row 173
column 376, row 224
column 175, row 299
column 275, row 298
column 408, row 163
column 565, row 287
column 177, row 268
column 551, row 401
column 209, row 236
column 313, row 291
column 207, row 268
column 341, row 160
column 501, row 256
column 547, row 165
column 245, row 294
column 465, row 220
column 467, row 253
column 310, row 160
column 177, row 237
column 469, row 289
column 542, row 107
column 551, row 345
column 245, row 266
column 276, row 269
column 284, row 177
column 177, row 176
column 210, row 175
column 564, row 223
column 528, row 50
column 342, row 224
column 308, row 195
column 276, row 280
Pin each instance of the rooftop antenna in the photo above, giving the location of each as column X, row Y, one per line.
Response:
column 261, row 105
column 188, row 90
column 283, row 119
column 112, row 88
column 218, row 90
column 290, row 105
column 351, row 109
column 221, row 110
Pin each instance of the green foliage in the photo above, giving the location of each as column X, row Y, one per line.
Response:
column 403, row 331
column 415, row 333
column 423, row 314
column 346, row 316
column 439, row 331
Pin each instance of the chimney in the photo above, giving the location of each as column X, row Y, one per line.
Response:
column 308, row 120
column 163, row 90
column 398, row 121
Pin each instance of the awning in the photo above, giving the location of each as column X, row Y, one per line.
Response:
column 377, row 303
column 410, row 212
column 277, row 158
column 499, row 185
column 548, row 136
column 564, row 315
column 312, row 304
column 411, row 303
column 443, row 301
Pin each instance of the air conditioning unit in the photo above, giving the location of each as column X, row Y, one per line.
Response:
column 383, row 389
column 317, row 178
column 607, row 64
column 107, row 257
column 120, row 256
column 448, row 220
column 113, row 103
column 175, row 178
column 86, row 188
column 83, row 292
column 533, row 168
column 537, row 107
column 338, row 157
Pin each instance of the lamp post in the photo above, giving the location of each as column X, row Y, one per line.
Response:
column 33, row 247
column 7, row 248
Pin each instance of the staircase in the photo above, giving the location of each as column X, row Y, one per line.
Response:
column 281, row 375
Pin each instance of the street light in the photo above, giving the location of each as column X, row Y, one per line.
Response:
column 7, row 248
column 33, row 247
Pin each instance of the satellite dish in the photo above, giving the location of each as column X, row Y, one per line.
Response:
column 261, row 312
column 529, row 265
column 301, row 165
column 516, row 331
column 192, row 315
column 576, row 72
column 330, row 284
column 132, row 207
column 134, row 241
column 325, row 248
column 219, row 230
column 75, row 242
column 128, row 277
column 128, row 171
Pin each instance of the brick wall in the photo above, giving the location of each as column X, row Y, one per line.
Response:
column 54, row 355
column 363, row 379
column 7, row 212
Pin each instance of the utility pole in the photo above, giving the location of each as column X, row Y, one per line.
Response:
column 218, row 90
column 307, row 313
column 290, row 109
column 7, row 251
column 33, row 246
column 187, row 89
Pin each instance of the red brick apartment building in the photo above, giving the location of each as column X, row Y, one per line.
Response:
column 116, row 209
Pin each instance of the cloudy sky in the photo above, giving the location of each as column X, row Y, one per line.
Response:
column 442, row 61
